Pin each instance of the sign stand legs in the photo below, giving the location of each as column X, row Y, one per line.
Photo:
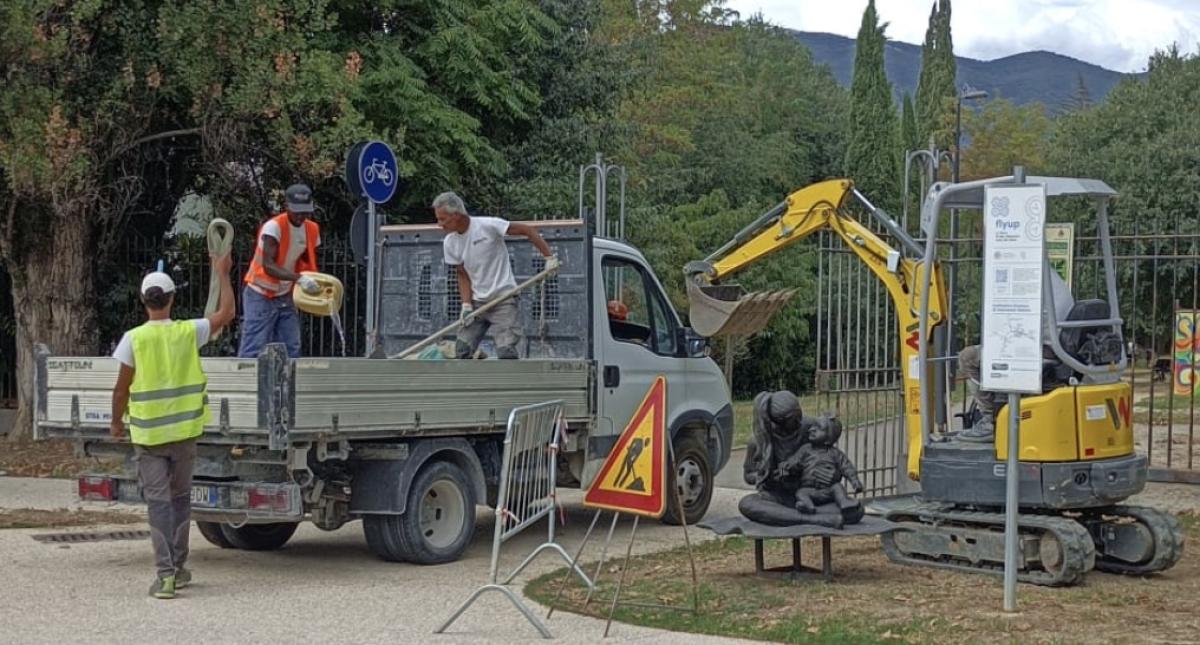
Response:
column 624, row 570
column 616, row 600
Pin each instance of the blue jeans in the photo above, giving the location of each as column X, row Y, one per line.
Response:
column 268, row 320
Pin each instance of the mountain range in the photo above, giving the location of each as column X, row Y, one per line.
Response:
column 1040, row 76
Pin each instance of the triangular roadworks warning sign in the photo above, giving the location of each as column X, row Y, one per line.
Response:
column 633, row 478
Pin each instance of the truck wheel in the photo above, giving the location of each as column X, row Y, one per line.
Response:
column 691, row 480
column 438, row 523
column 213, row 533
column 259, row 537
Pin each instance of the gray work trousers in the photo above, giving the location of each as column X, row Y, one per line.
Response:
column 165, row 473
column 970, row 361
column 504, row 321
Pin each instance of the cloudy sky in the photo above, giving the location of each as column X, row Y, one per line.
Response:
column 1118, row 34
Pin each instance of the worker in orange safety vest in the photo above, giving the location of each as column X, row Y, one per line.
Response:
column 286, row 247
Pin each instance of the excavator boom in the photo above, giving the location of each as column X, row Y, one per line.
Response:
column 724, row 309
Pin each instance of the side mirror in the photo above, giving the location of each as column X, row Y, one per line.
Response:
column 694, row 345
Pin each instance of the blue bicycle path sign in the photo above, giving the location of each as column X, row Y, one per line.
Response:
column 375, row 170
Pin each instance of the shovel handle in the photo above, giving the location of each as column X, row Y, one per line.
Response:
column 458, row 324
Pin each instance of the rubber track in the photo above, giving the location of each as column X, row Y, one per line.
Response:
column 1167, row 535
column 1079, row 551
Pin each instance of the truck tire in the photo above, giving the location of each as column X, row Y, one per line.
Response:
column 692, row 475
column 259, row 537
column 438, row 524
column 213, row 533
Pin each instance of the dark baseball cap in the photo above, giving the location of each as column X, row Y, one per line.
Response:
column 299, row 198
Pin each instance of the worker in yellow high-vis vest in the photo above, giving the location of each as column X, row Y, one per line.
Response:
column 161, row 392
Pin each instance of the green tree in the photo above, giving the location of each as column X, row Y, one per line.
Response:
column 910, row 138
column 1144, row 141
column 111, row 112
column 1004, row 135
column 581, row 80
column 1081, row 97
column 872, row 142
column 936, row 86
column 725, row 118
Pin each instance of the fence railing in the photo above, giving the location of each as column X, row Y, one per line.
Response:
column 1158, row 281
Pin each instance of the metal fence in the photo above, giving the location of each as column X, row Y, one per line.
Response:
column 858, row 375
column 1157, row 262
column 186, row 259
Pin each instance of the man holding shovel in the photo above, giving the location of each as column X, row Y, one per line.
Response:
column 475, row 245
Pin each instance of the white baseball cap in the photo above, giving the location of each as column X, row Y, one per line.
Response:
column 160, row 280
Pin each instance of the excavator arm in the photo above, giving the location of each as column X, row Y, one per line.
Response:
column 717, row 309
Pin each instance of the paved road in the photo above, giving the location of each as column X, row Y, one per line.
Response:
column 321, row 588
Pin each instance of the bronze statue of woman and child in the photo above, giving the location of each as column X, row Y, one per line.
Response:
column 794, row 463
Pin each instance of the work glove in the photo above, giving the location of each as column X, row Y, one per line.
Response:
column 465, row 313
column 309, row 285
column 552, row 262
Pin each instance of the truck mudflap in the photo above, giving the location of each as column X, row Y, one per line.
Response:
column 234, row 502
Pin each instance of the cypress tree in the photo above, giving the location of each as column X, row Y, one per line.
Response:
column 910, row 138
column 936, row 87
column 871, row 148
column 1081, row 98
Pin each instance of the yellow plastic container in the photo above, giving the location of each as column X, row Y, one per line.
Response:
column 325, row 303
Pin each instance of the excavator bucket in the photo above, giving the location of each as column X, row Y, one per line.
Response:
column 727, row 310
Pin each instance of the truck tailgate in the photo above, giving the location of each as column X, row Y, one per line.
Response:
column 74, row 397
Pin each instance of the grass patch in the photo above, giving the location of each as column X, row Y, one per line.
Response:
column 28, row 518
column 741, row 608
column 1166, row 407
column 872, row 600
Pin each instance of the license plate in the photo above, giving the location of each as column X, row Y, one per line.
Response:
column 204, row 495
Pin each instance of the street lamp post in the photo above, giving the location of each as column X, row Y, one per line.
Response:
column 965, row 94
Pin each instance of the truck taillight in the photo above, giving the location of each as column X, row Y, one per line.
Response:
column 101, row 489
column 269, row 499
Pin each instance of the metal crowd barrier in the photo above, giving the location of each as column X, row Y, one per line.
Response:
column 527, row 494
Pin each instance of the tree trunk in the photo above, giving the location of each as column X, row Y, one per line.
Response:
column 53, row 303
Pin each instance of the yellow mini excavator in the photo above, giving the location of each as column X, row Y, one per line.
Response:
column 1076, row 451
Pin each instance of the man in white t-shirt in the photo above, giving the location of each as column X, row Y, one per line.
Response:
column 475, row 245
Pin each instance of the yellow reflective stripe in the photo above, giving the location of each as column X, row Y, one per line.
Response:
column 168, row 400
column 149, row 424
column 156, row 395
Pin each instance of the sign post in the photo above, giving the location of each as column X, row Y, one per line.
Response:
column 1013, row 265
column 372, row 172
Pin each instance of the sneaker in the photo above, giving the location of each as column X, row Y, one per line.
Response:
column 183, row 577
column 163, row 588
column 981, row 432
